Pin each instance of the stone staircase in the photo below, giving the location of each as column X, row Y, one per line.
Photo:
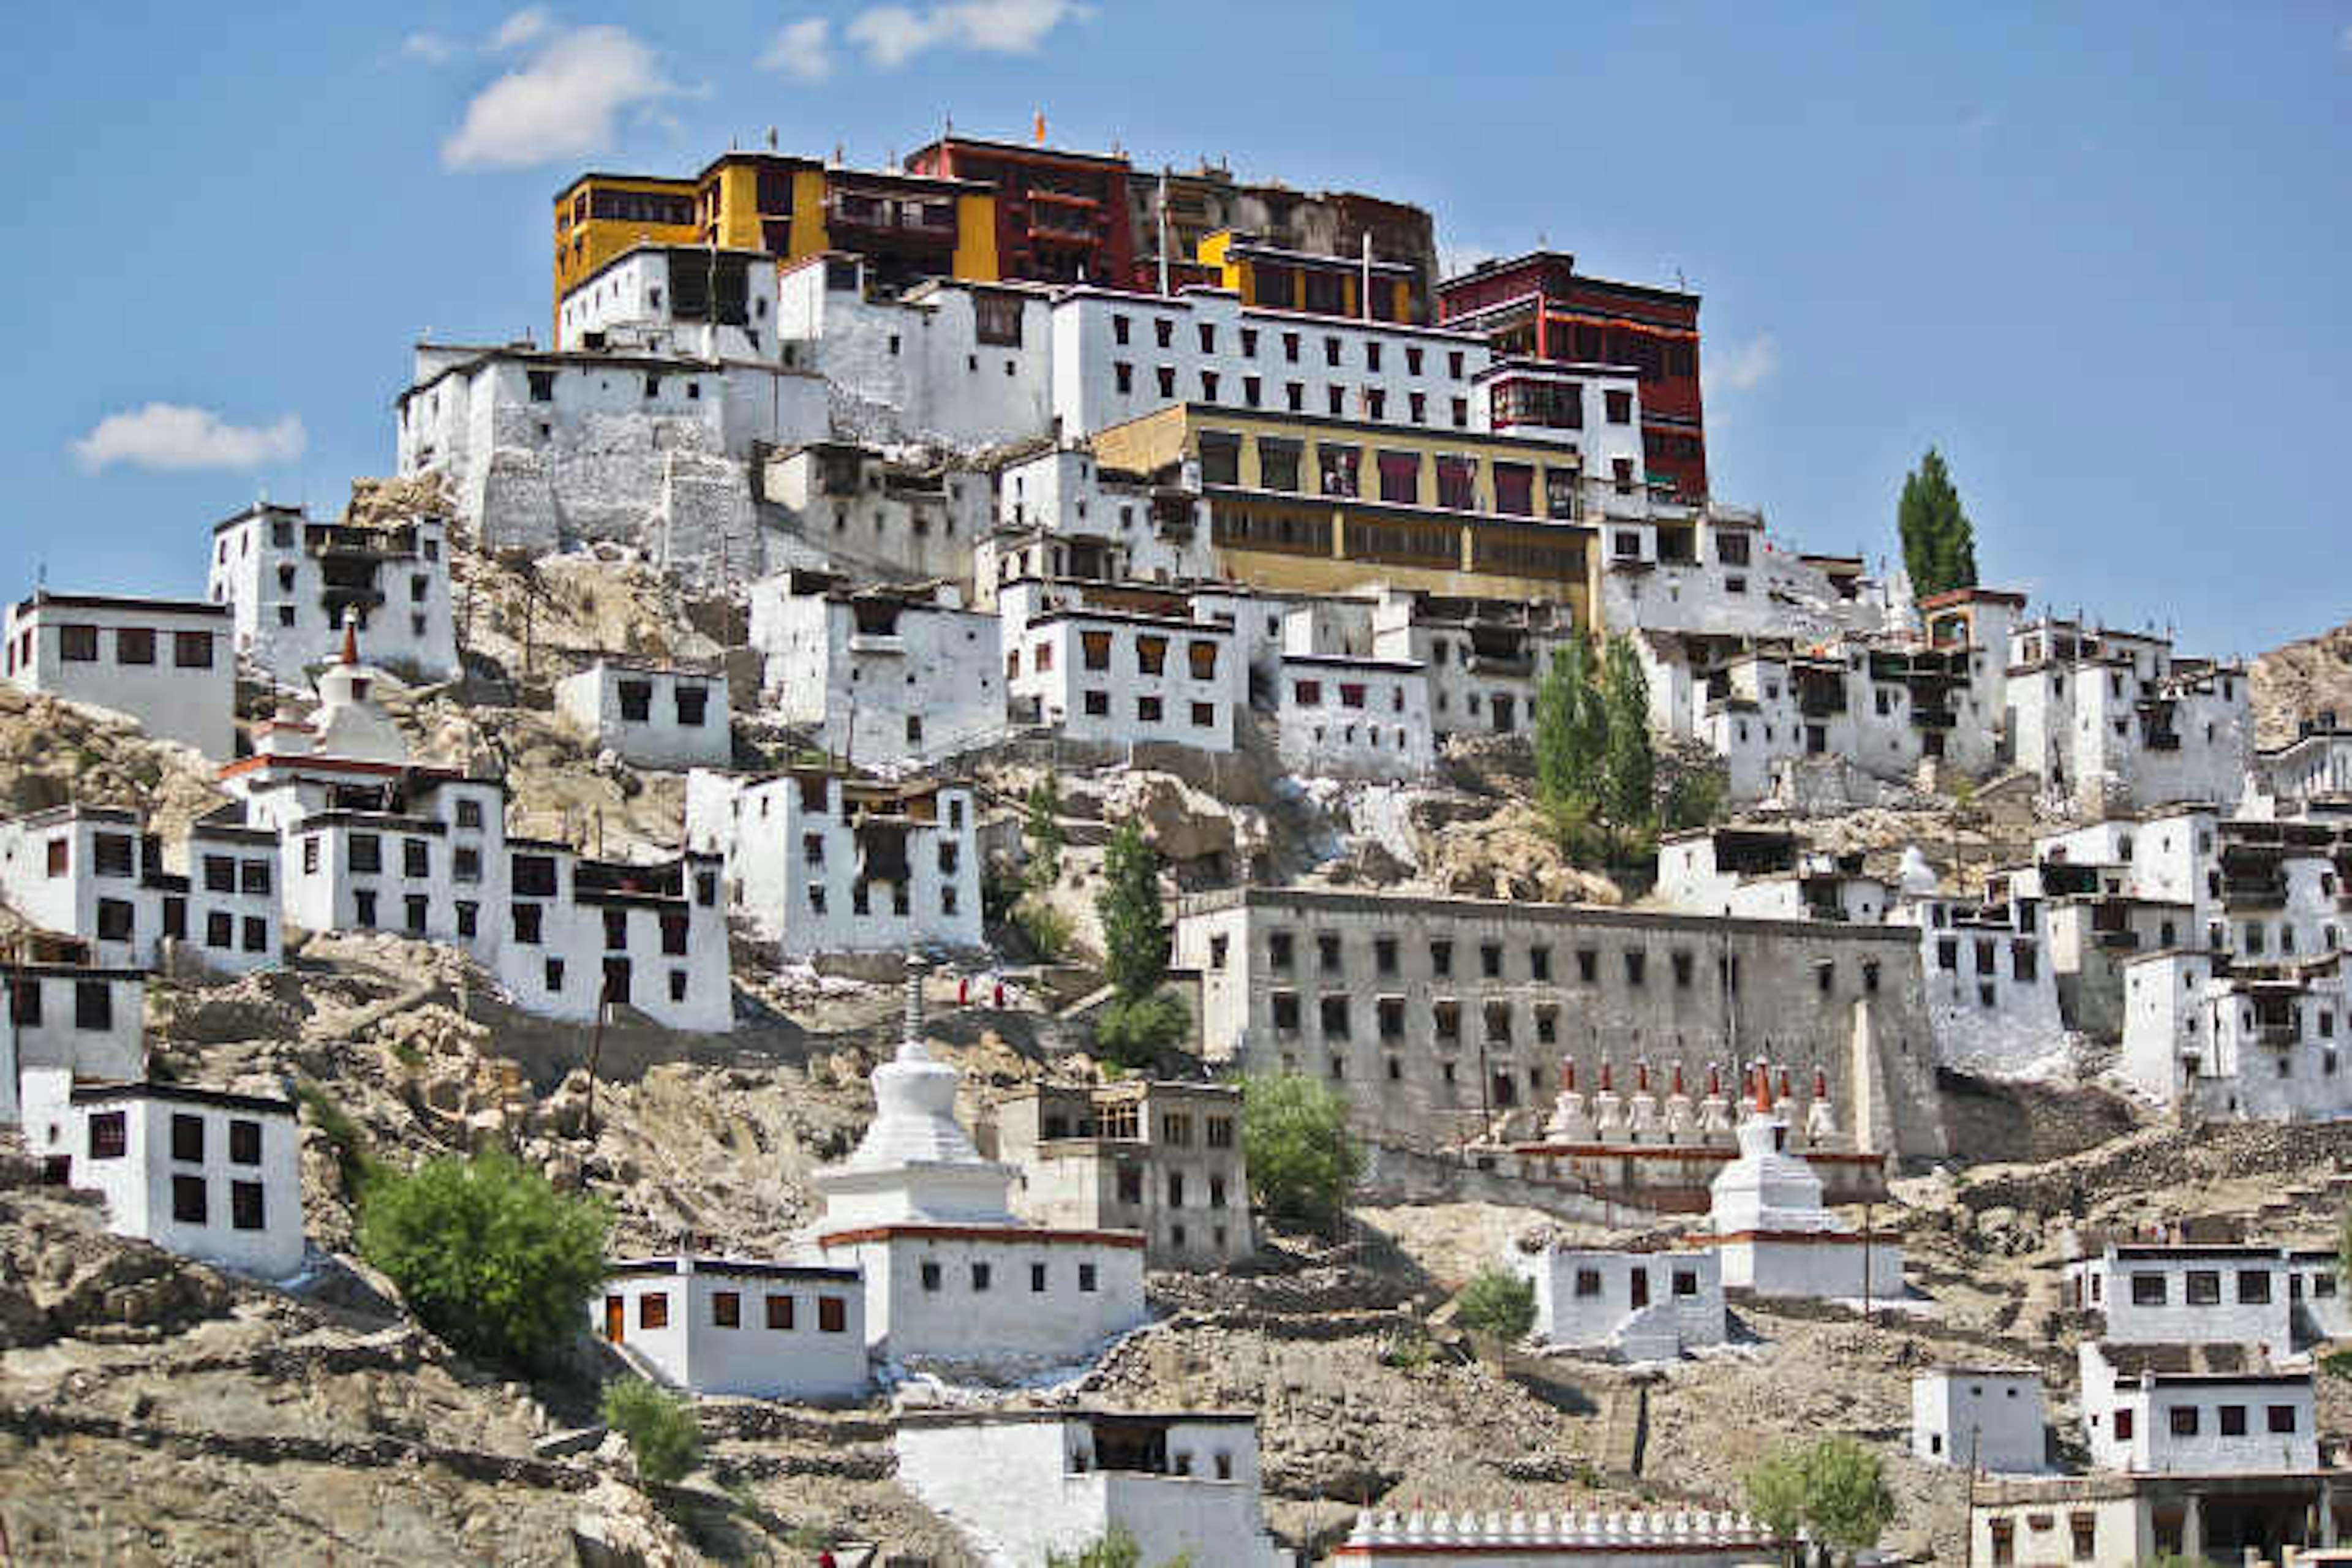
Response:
column 1625, row 1430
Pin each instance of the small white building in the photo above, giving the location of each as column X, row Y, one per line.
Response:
column 1341, row 717
column 656, row 716
column 1390, row 1539
column 1060, row 514
column 1768, row 1223
column 2316, row 765
column 198, row 1171
column 873, row 515
column 69, row 1017
column 819, row 862
column 1484, row 658
column 2181, row 1294
column 692, row 300
column 289, row 582
column 166, row 663
column 2214, row 1409
column 1020, row 1485
column 1638, row 1306
column 879, row 676
column 731, row 1326
column 952, row 1276
column 2114, row 719
column 1988, row 1416
column 97, row 874
column 1123, row 677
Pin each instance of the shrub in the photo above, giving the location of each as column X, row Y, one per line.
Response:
column 1133, row 1032
column 1302, row 1158
column 488, row 1254
column 1117, row 1549
column 357, row 1167
column 1045, row 929
column 1497, row 1302
column 1834, row 1488
column 659, row 1425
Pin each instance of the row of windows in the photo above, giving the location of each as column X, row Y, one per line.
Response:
column 1350, row 694
column 109, row 1137
column 117, row 921
column 1338, row 466
column 78, row 644
column 1130, row 1189
column 1493, row 959
column 1163, row 332
column 1372, row 402
column 691, row 703
column 93, row 1003
column 2188, row 1420
column 2202, row 1287
column 902, row 899
column 779, row 1310
column 982, row 1278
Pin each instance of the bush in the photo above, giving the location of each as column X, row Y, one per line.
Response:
column 1134, row 922
column 488, row 1254
column 1132, row 1033
column 357, row 1167
column 1043, row 927
column 659, row 1425
column 1302, row 1158
column 1835, row 1489
column 1117, row 1549
column 1497, row 1302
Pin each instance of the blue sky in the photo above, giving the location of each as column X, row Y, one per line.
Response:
column 2097, row 253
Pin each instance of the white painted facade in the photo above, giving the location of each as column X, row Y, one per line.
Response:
column 1992, row 989
column 289, row 583
column 1021, row 1485
column 1989, row 1417
column 2114, row 720
column 2315, row 765
column 1484, row 659
column 655, row 299
column 1714, row 570
column 1639, row 1306
column 2231, row 1044
column 1338, row 716
column 821, row 863
column 95, row 874
column 730, row 1326
column 2142, row 1420
column 70, row 1019
column 1389, row 1539
column 1775, row 1237
column 1059, row 515
column 2188, row 1295
column 651, row 715
column 1119, row 678
column 166, row 663
column 873, row 517
column 198, row 1172
column 877, row 677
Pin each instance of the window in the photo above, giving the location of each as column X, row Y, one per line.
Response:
column 254, row 876
column 2183, row 1420
column 831, row 1315
column 363, row 910
column 653, row 1309
column 243, row 1141
column 1588, row 1283
column 93, row 1004
column 192, row 650
column 693, row 705
column 415, row 859
column 1636, row 961
column 1686, row 1281
column 134, row 645
column 779, row 1314
column 1335, row 467
column 115, row 918
column 1086, row 1277
column 2123, row 1426
column 220, row 929
column 244, row 1206
column 2282, row 1418
column 1399, row 477
column 2147, row 1289
column 2204, row 1287
column 2234, row 1420
column 932, row 1274
column 552, row 973
column 1618, row 404
column 726, row 1309
column 77, row 645
column 110, row 1136
column 188, row 1200
column 366, row 852
column 2254, row 1286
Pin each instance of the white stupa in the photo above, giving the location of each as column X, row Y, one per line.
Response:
column 1776, row 1238
column 348, row 724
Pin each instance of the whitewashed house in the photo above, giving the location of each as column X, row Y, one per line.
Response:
column 952, row 1277
column 2316, row 766
column 1638, row 1306
column 1343, row 717
column 1020, row 1485
column 198, row 1171
column 864, row 511
column 1444, row 1539
column 2182, row 1293
column 289, row 582
column 1988, row 1416
column 878, row 676
column 166, row 663
column 2115, row 719
column 733, row 1326
column 691, row 300
column 96, row 873
column 70, row 1017
column 1060, row 514
column 2209, row 1409
column 1484, row 658
column 820, row 862
column 1123, row 678
column 657, row 716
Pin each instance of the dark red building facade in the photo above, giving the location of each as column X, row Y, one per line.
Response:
column 1538, row 306
column 1061, row 216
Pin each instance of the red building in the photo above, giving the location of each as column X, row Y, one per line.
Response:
column 1537, row 305
column 1061, row 216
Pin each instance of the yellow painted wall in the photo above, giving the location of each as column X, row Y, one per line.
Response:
column 808, row 214
column 975, row 253
column 601, row 239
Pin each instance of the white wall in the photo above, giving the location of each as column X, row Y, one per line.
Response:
column 2106, row 1283
column 222, row 901
column 924, row 683
column 185, row 691
column 1364, row 718
column 961, row 1323
column 1115, row 699
column 90, row 1023
column 753, row 1360
column 1670, row 1322
column 654, row 717
column 1991, row 1418
column 2153, row 1447
column 270, row 566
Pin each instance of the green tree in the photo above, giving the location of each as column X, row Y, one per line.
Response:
column 1134, row 926
column 487, row 1254
column 1940, row 543
column 1572, row 731
column 1302, row 1159
column 1041, row 830
column 1848, row 1503
column 1629, row 767
column 659, row 1424
column 1496, row 1302
column 1133, row 1030
column 1775, row 1487
column 1116, row 1549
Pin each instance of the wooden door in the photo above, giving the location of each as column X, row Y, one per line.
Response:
column 616, row 1318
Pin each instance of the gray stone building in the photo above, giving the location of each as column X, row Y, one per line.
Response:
column 1161, row 1158
column 1444, row 1017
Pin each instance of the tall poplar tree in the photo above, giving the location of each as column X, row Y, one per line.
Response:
column 1940, row 543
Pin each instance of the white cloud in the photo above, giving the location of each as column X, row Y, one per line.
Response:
column 893, row 35
column 431, row 47
column 169, row 436
column 521, row 28
column 803, row 50
column 563, row 104
column 1742, row 367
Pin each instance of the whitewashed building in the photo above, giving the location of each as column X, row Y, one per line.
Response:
column 867, row 512
column 1020, row 1485
column 1775, row 1237
column 198, row 1171
column 1765, row 874
column 289, row 582
column 166, row 663
column 1713, row 570
column 951, row 1277
column 1164, row 1158
column 2316, row 765
column 2114, row 719
column 1484, row 659
column 690, row 300
column 822, row 862
column 97, row 874
column 1341, row 717
column 733, row 1326
column 1991, row 1418
column 657, row 716
column 1444, row 1539
column 878, row 676
column 70, row 1017
column 1121, row 677
column 1637, row 1306
column 2273, row 1299
column 2209, row 1409
column 1060, row 514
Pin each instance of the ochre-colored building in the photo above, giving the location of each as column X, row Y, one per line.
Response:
column 1538, row 305
column 1061, row 215
column 1282, row 280
column 598, row 216
column 1315, row 505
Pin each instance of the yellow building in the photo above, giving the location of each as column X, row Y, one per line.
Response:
column 908, row 227
column 1318, row 505
column 1282, row 280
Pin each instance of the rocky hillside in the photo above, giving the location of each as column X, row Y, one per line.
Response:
column 2299, row 682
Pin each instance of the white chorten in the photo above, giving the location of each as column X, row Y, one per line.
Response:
column 348, row 724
